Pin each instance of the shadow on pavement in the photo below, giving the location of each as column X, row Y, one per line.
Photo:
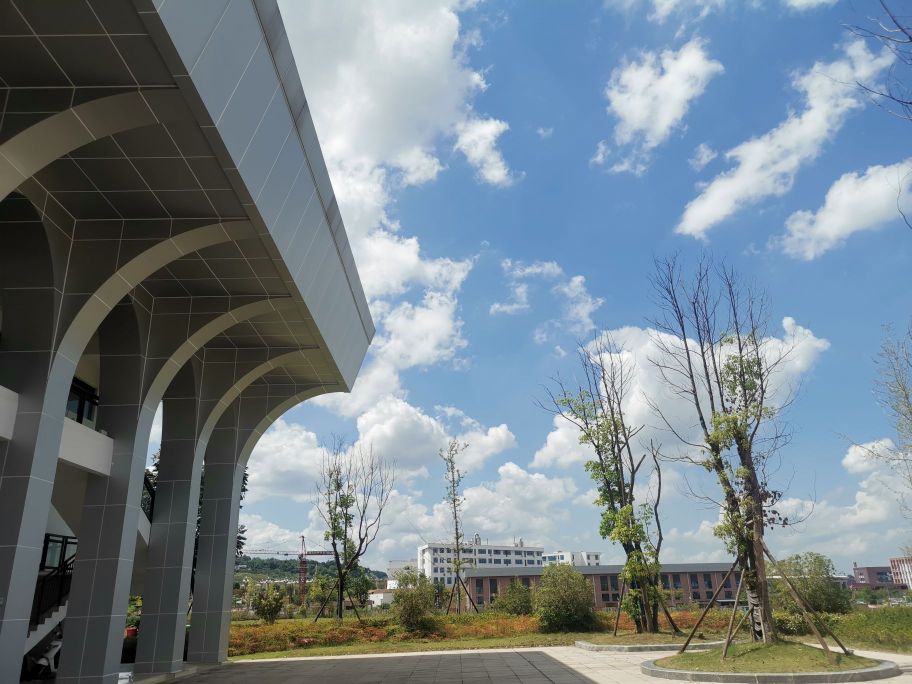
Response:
column 535, row 667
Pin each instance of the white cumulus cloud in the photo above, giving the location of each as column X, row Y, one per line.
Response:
column 702, row 156
column 477, row 140
column 766, row 165
column 651, row 96
column 802, row 5
column 853, row 204
column 862, row 458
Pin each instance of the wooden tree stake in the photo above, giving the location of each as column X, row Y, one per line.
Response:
column 617, row 616
column 806, row 611
column 708, row 606
column 731, row 621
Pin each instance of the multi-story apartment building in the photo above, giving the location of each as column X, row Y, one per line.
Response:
column 685, row 582
column 572, row 558
column 901, row 569
column 436, row 560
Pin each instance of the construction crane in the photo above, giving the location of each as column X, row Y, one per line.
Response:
column 302, row 567
column 302, row 561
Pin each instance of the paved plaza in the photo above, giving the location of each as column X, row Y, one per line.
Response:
column 560, row 665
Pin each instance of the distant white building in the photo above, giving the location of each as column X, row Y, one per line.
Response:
column 436, row 560
column 394, row 566
column 572, row 558
column 380, row 597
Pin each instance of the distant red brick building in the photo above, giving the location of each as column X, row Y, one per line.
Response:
column 687, row 583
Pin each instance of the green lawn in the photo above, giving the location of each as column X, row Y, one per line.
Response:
column 418, row 645
column 782, row 657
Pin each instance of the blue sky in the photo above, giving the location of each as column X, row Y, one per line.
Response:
column 508, row 171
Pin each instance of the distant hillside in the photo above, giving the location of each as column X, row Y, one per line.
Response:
column 287, row 568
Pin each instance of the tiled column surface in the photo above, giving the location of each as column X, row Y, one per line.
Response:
column 28, row 461
column 220, row 500
column 170, row 557
column 103, row 571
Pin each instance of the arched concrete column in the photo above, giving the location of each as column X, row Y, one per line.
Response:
column 227, row 452
column 31, row 150
column 31, row 456
column 170, row 556
column 96, row 610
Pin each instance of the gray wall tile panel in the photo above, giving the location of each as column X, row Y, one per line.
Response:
column 256, row 100
column 190, row 30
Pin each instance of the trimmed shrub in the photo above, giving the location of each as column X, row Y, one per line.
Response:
column 563, row 602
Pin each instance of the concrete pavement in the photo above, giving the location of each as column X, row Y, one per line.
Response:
column 558, row 665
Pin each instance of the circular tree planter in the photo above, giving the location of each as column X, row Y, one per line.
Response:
column 637, row 648
column 883, row 670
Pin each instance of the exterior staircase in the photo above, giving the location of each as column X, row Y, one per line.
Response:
column 49, row 605
column 45, row 626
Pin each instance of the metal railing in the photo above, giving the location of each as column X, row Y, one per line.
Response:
column 52, row 590
column 147, row 503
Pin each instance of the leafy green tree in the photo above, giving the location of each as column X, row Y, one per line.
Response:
column 813, row 575
column 516, row 600
column 354, row 488
column 413, row 599
column 714, row 351
column 597, row 407
column 454, row 500
column 268, row 603
column 359, row 586
column 319, row 591
column 564, row 600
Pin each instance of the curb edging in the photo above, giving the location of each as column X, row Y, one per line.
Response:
column 883, row 670
column 636, row 648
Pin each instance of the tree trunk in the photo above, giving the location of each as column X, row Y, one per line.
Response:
column 340, row 599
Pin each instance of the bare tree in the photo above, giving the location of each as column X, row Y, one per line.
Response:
column 714, row 352
column 893, row 31
column 454, row 501
column 894, row 391
column 597, row 408
column 353, row 490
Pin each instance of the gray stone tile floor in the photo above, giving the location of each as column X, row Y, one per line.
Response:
column 558, row 665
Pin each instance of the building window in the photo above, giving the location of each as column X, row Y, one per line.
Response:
column 615, row 597
column 82, row 403
column 497, row 561
column 479, row 586
column 606, row 598
column 526, row 582
column 707, row 581
column 492, row 587
column 695, row 595
column 728, row 595
column 677, row 581
column 709, row 595
column 694, row 582
column 449, row 580
column 664, row 581
column 614, row 582
column 603, row 584
column 727, row 583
